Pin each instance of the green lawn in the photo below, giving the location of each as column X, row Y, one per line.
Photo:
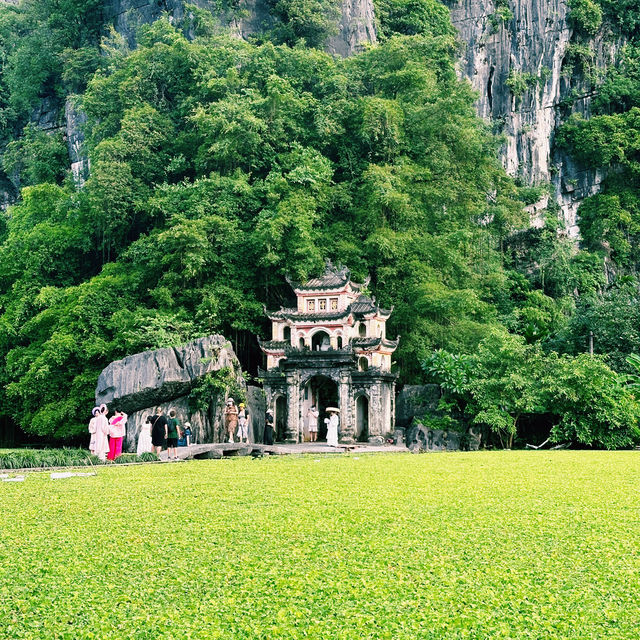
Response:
column 452, row 545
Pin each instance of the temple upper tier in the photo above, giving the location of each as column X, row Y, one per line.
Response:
column 332, row 313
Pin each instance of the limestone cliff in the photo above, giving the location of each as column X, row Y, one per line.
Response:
column 355, row 29
column 518, row 59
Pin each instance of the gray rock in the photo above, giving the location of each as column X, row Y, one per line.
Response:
column 212, row 454
column 531, row 42
column 357, row 28
column 128, row 15
column 76, row 119
column 141, row 383
column 256, row 405
column 416, row 401
column 421, row 438
column 155, row 377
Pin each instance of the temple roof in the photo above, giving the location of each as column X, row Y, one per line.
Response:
column 362, row 306
column 273, row 345
column 333, row 278
column 297, row 316
column 368, row 344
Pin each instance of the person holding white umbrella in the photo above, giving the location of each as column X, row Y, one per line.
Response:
column 332, row 423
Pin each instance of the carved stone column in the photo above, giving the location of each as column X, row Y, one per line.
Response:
column 347, row 417
column 293, row 408
column 375, row 400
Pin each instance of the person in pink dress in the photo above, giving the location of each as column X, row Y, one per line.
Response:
column 117, row 429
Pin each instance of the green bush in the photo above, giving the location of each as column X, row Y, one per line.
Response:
column 42, row 458
column 586, row 15
column 127, row 458
column 148, row 457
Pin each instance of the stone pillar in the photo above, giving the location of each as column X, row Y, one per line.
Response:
column 293, row 408
column 347, row 423
column 393, row 406
column 376, row 412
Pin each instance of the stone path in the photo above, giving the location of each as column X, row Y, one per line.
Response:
column 225, row 449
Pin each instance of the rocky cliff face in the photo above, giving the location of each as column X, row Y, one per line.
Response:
column 356, row 28
column 518, row 59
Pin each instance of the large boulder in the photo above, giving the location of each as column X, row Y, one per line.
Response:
column 165, row 378
column 152, row 378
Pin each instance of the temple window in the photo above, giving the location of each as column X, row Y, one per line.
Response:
column 311, row 305
column 323, row 304
column 363, row 364
column 334, row 304
column 362, row 330
column 286, row 334
column 339, row 342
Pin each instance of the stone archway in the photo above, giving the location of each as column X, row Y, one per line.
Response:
column 320, row 341
column 362, row 418
column 323, row 391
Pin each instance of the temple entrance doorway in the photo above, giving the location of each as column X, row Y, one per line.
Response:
column 281, row 418
column 362, row 419
column 324, row 393
column 320, row 341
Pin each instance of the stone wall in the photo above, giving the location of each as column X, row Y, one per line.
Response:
column 355, row 30
column 416, row 401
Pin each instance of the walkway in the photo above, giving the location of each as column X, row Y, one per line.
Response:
column 225, row 449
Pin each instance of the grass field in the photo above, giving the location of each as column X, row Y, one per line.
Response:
column 453, row 545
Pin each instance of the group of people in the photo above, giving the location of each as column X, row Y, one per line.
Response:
column 157, row 431
column 160, row 431
column 236, row 421
column 107, row 434
column 332, row 422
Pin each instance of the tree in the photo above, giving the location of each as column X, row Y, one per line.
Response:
column 593, row 405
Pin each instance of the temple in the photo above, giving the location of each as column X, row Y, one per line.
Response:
column 331, row 350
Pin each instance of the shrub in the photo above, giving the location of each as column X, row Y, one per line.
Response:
column 585, row 15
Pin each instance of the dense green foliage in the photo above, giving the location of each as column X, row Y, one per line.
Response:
column 511, row 546
column 219, row 166
column 506, row 379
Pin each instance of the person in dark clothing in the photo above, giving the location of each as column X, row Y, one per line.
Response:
column 158, row 431
column 173, row 433
column 268, row 428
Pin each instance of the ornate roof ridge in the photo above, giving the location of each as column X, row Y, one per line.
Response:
column 332, row 278
column 273, row 344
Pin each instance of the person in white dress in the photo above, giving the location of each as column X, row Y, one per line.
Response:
column 102, row 432
column 312, row 422
column 144, row 437
column 243, row 423
column 332, row 423
column 93, row 428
